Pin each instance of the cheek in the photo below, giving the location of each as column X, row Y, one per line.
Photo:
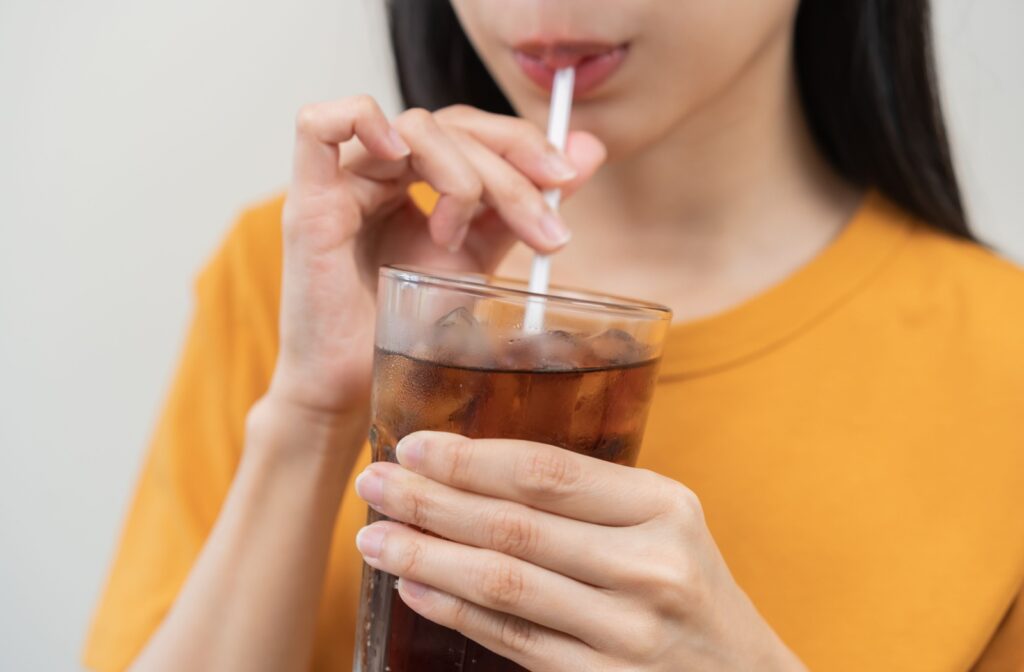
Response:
column 490, row 26
column 710, row 44
column 482, row 21
column 693, row 55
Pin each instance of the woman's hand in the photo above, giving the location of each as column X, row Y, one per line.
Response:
column 348, row 212
column 559, row 561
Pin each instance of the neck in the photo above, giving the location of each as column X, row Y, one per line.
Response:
column 735, row 195
column 743, row 150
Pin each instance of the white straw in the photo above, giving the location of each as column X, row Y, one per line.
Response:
column 558, row 129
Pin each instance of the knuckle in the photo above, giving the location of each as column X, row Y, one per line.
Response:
column 530, row 135
column 516, row 635
column 501, row 585
column 314, row 115
column 682, row 585
column 363, row 102
column 466, row 187
column 549, row 473
column 457, row 458
column 511, row 533
column 684, row 504
column 416, row 119
column 409, row 559
column 522, row 193
column 459, row 617
column 308, row 118
column 456, row 112
column 415, row 507
column 646, row 638
column 519, row 127
column 672, row 585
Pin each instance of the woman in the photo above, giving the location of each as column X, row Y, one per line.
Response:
column 833, row 476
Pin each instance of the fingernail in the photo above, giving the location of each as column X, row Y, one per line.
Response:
column 410, row 451
column 459, row 239
column 558, row 167
column 412, row 588
column 370, row 486
column 554, row 229
column 398, row 143
column 369, row 541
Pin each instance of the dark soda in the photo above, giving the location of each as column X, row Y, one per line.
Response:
column 589, row 397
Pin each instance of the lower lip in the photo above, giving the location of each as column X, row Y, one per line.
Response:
column 591, row 72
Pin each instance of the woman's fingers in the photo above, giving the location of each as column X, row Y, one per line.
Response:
column 585, row 152
column 472, row 157
column 322, row 127
column 589, row 553
column 515, row 140
column 512, row 162
column 541, row 476
column 439, row 161
column 525, row 146
column 489, row 579
column 516, row 199
column 529, row 645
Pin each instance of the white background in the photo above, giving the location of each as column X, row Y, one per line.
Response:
column 130, row 134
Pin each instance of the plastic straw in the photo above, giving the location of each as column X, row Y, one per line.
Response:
column 558, row 129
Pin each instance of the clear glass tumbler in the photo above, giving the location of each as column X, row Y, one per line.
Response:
column 459, row 353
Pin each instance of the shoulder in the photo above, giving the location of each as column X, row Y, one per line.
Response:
column 254, row 239
column 967, row 294
column 251, row 254
column 965, row 275
column 246, row 267
column 238, row 293
column 969, row 264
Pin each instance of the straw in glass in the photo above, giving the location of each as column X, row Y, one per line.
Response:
column 558, row 129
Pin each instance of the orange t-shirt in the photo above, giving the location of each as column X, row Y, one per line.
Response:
column 856, row 435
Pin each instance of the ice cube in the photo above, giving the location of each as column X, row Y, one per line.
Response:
column 561, row 350
column 615, row 347
column 517, row 354
column 460, row 317
column 550, row 351
column 460, row 340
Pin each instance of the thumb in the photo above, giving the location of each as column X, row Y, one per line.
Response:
column 587, row 153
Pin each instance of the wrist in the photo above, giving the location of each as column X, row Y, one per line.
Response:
column 773, row 654
column 749, row 641
column 319, row 395
column 277, row 427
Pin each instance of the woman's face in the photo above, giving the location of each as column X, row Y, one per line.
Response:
column 643, row 66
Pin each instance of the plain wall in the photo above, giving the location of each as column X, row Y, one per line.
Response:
column 130, row 135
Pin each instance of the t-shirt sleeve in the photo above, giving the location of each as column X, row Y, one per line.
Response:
column 225, row 366
column 1005, row 652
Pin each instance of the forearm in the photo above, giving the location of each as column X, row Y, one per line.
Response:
column 250, row 601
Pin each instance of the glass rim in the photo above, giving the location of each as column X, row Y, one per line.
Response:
column 481, row 283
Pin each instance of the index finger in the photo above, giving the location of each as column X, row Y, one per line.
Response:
column 541, row 476
column 527, row 148
column 321, row 127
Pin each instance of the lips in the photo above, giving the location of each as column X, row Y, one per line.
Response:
column 595, row 62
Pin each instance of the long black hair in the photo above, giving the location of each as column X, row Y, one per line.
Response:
column 866, row 72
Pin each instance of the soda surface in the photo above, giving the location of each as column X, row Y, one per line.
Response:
column 591, row 398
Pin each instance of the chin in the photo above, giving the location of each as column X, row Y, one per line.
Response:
column 616, row 124
column 610, row 119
